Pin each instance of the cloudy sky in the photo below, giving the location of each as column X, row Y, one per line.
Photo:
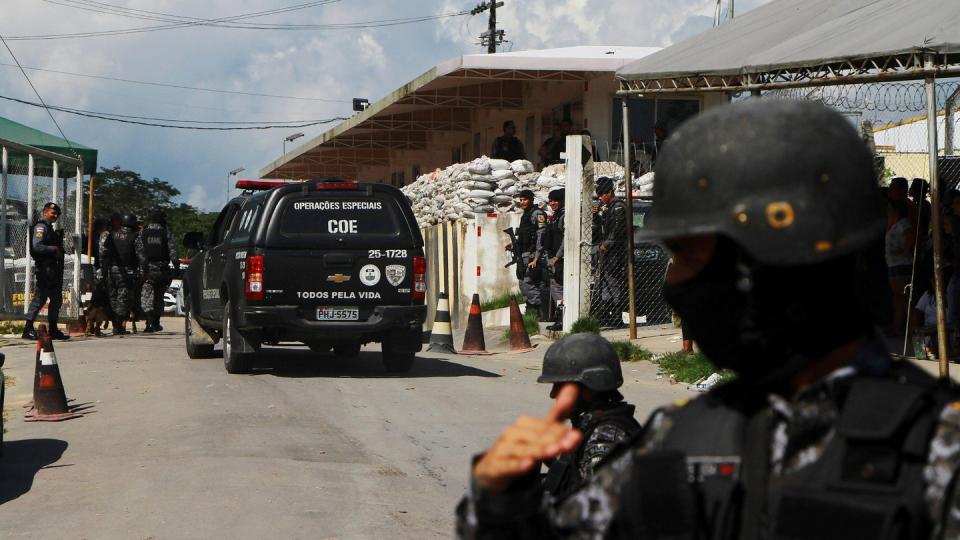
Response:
column 329, row 67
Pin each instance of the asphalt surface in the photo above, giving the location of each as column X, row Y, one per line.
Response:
column 307, row 447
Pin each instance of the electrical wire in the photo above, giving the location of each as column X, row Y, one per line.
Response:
column 178, row 86
column 229, row 22
column 42, row 103
column 149, row 121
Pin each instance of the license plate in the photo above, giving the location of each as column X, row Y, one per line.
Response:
column 338, row 314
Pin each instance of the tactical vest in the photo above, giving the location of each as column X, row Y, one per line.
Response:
column 610, row 223
column 563, row 476
column 554, row 234
column 155, row 244
column 125, row 248
column 527, row 231
column 711, row 479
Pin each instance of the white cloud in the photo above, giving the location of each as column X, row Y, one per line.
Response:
column 330, row 64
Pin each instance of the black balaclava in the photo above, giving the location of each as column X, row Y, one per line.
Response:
column 766, row 322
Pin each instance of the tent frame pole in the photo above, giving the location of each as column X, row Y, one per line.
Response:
column 942, row 346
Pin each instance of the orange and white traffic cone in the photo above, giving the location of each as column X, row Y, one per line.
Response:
column 441, row 336
column 49, row 396
column 519, row 340
column 473, row 342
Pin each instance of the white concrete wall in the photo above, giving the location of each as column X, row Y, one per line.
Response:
column 485, row 250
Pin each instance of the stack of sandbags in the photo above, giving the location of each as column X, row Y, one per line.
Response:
column 486, row 185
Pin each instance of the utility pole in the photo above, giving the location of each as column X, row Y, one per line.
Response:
column 492, row 37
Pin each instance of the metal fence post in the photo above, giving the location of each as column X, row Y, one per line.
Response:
column 53, row 189
column 28, row 283
column 577, row 205
column 3, row 229
column 628, row 181
column 78, row 235
column 938, row 284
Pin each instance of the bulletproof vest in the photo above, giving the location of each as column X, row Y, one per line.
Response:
column 155, row 243
column 527, row 231
column 711, row 478
column 563, row 477
column 124, row 244
column 615, row 226
column 50, row 238
column 554, row 234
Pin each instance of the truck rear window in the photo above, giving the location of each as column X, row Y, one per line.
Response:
column 346, row 216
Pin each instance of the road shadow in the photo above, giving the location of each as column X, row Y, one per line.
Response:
column 301, row 363
column 20, row 462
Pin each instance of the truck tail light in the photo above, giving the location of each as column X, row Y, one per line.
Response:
column 419, row 278
column 254, row 284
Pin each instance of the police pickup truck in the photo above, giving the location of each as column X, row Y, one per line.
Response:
column 327, row 263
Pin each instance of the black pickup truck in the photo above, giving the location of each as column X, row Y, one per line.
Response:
column 327, row 263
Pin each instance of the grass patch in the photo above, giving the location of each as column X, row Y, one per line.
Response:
column 11, row 327
column 690, row 367
column 531, row 322
column 501, row 302
column 585, row 325
column 628, row 352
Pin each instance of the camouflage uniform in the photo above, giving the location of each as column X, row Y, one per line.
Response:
column 118, row 265
column 156, row 271
column 801, row 430
column 603, row 431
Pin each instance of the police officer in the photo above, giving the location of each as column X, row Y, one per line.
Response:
column 822, row 434
column 553, row 253
column 46, row 249
column 156, row 251
column 600, row 414
column 612, row 255
column 120, row 256
column 533, row 222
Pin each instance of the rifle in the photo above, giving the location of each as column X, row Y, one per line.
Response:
column 516, row 253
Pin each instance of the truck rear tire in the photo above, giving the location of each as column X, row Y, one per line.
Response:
column 237, row 352
column 195, row 350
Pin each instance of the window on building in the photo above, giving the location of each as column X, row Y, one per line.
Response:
column 415, row 172
column 477, row 149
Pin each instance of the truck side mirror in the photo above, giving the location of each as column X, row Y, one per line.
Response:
column 193, row 240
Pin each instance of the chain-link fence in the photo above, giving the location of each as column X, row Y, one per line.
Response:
column 30, row 178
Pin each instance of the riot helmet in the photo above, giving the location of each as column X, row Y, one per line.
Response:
column 781, row 198
column 157, row 215
column 585, row 358
column 130, row 220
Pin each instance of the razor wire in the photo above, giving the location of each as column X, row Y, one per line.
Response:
column 27, row 184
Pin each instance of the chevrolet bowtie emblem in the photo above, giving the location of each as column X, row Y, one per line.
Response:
column 338, row 278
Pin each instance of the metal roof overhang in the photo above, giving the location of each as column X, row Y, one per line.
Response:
column 811, row 43
column 441, row 100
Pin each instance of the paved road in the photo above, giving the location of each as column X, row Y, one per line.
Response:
column 308, row 447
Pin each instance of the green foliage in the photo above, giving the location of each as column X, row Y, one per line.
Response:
column 11, row 327
column 585, row 325
column 628, row 352
column 531, row 321
column 126, row 192
column 690, row 367
column 500, row 302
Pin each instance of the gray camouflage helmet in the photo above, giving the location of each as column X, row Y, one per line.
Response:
column 791, row 182
column 583, row 358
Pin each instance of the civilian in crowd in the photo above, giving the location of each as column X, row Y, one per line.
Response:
column 899, row 255
column 508, row 146
column 547, row 146
column 898, row 192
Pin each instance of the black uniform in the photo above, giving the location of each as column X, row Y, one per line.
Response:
column 533, row 222
column 553, row 247
column 156, row 251
column 46, row 248
column 508, row 148
column 118, row 250
column 612, row 265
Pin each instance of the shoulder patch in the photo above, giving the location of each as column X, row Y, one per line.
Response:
column 38, row 231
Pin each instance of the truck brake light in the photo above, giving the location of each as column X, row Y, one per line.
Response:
column 339, row 186
column 419, row 278
column 254, row 284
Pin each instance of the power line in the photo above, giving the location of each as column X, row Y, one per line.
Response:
column 178, row 86
column 136, row 119
column 42, row 104
column 229, row 22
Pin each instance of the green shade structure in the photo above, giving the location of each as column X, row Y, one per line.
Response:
column 25, row 135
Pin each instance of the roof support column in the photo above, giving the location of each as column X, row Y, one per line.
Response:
column 931, row 88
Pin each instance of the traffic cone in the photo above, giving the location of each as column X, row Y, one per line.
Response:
column 441, row 338
column 49, row 397
column 77, row 328
column 473, row 342
column 519, row 340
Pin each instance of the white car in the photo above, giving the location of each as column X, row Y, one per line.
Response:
column 173, row 299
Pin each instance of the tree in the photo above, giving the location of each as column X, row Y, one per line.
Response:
column 126, row 192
